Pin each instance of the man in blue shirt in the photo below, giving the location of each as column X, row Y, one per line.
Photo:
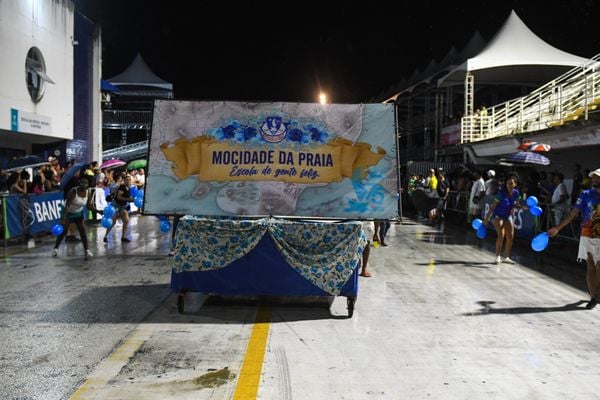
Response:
column 588, row 203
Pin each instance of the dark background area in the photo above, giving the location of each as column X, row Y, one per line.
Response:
column 289, row 51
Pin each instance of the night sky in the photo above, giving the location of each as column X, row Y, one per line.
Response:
column 289, row 51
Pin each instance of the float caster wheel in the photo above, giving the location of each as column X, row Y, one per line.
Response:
column 180, row 303
column 351, row 301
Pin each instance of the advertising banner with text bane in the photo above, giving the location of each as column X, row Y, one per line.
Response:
column 285, row 159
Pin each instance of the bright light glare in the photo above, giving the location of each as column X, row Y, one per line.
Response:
column 323, row 98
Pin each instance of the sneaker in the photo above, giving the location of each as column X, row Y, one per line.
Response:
column 171, row 253
column 498, row 260
column 125, row 240
column 592, row 303
column 54, row 252
column 88, row 253
column 508, row 260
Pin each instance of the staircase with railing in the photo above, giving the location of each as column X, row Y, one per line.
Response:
column 570, row 97
column 128, row 152
column 126, row 119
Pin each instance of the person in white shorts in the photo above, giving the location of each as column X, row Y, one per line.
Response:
column 588, row 203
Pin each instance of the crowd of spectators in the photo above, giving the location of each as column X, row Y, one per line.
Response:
column 46, row 178
column 472, row 185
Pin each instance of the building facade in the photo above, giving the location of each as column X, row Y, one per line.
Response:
column 49, row 86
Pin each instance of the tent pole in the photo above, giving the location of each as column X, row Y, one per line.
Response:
column 398, row 178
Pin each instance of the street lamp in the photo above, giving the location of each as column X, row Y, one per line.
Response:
column 322, row 98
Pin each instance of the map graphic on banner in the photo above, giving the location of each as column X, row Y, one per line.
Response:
column 284, row 159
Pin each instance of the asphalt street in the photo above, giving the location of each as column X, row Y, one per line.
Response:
column 438, row 320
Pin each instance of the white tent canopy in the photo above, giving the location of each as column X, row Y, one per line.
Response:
column 515, row 55
column 473, row 47
column 450, row 58
column 139, row 74
column 434, row 71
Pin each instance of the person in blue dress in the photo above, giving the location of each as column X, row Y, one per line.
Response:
column 500, row 213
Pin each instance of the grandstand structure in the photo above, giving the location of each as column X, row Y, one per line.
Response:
column 572, row 96
column 128, row 99
column 477, row 105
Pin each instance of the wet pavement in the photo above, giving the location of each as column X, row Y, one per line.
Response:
column 438, row 320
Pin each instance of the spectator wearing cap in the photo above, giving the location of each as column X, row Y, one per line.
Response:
column 588, row 204
column 477, row 194
column 491, row 185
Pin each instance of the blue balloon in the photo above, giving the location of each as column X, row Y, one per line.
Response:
column 138, row 201
column 162, row 217
column 537, row 211
column 481, row 232
column 532, row 201
column 476, row 223
column 133, row 191
column 57, row 229
column 165, row 226
column 106, row 222
column 540, row 242
column 109, row 211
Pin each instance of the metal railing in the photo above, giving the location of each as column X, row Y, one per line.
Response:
column 127, row 152
column 126, row 119
column 571, row 96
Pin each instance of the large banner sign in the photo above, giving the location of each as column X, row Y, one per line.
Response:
column 450, row 135
column 285, row 159
column 31, row 214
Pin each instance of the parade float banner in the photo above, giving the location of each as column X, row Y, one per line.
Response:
column 284, row 159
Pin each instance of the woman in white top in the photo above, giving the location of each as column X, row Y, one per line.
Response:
column 77, row 199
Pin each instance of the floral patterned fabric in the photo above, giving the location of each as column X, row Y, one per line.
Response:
column 324, row 253
column 203, row 244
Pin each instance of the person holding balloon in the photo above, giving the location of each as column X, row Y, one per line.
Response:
column 500, row 213
column 588, row 204
column 121, row 205
column 77, row 199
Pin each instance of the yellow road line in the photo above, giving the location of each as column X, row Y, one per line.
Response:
column 110, row 367
column 247, row 385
